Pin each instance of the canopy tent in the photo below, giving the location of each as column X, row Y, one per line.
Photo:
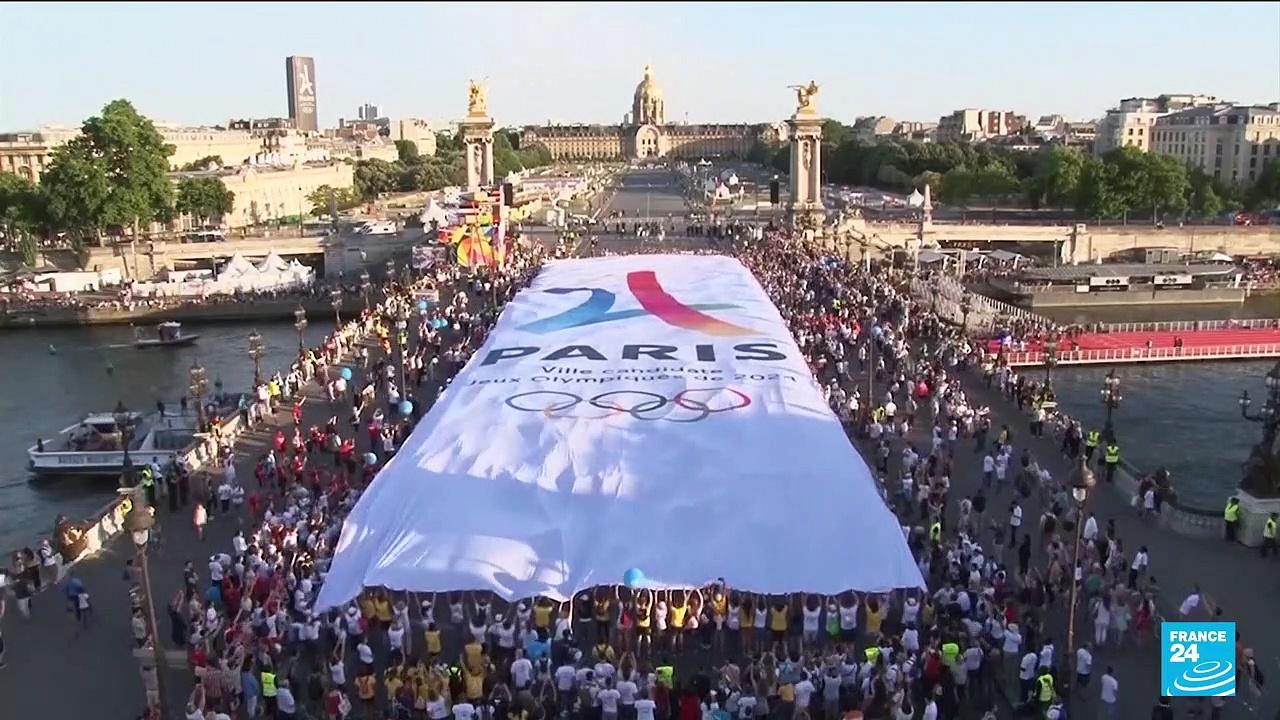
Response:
column 915, row 199
column 273, row 263
column 667, row 423
column 236, row 267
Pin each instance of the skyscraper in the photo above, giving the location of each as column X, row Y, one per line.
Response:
column 300, row 74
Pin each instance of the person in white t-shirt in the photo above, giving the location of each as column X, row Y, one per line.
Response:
column 464, row 711
column 1110, row 694
column 804, row 691
column 521, row 671
column 645, row 706
column 608, row 698
column 627, row 691
column 565, row 677
column 1084, row 665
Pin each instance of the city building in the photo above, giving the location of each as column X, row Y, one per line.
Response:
column 369, row 112
column 262, row 125
column 645, row 132
column 1050, row 127
column 264, row 194
column 231, row 147
column 1081, row 134
column 1129, row 123
column 975, row 125
column 1231, row 142
column 27, row 153
column 874, row 126
column 300, row 79
column 416, row 131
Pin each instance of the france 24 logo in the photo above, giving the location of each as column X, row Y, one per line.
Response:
column 1198, row 659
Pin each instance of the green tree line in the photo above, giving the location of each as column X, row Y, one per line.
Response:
column 415, row 172
column 112, row 176
column 1120, row 182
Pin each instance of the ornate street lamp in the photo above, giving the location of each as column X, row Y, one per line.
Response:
column 402, row 323
column 1261, row 470
column 300, row 324
column 391, row 273
column 256, row 348
column 199, row 387
column 364, row 287
column 1082, row 481
column 1111, row 399
column 966, row 306
column 138, row 524
column 124, row 425
column 1050, row 360
column 335, row 299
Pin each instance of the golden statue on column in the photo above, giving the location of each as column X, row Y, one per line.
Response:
column 804, row 97
column 477, row 103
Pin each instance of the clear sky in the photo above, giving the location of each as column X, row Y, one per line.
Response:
column 579, row 62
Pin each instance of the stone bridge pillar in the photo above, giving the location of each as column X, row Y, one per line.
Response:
column 477, row 139
column 805, row 204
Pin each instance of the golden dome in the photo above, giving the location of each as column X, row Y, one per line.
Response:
column 648, row 87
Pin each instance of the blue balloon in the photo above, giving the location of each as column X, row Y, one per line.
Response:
column 370, row 459
column 876, row 331
column 406, row 407
column 422, row 304
column 633, row 578
column 345, row 373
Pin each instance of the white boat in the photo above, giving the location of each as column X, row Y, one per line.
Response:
column 93, row 445
column 166, row 334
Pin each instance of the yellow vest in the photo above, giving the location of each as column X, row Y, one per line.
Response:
column 1092, row 439
column 935, row 532
column 1269, row 530
column 268, row 684
column 1113, row 453
column 665, row 674
column 1232, row 513
column 1046, row 687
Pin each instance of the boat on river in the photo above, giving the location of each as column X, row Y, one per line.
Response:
column 94, row 446
column 167, row 334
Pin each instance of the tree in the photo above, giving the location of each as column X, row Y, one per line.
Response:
column 343, row 199
column 1265, row 193
column 1094, row 196
column 76, row 189
column 123, row 159
column 835, row 133
column 374, row 177
column 408, row 151
column 958, row 185
column 203, row 163
column 1129, row 178
column 22, row 213
column 1167, row 184
column 204, row 197
column 995, row 180
column 1056, row 176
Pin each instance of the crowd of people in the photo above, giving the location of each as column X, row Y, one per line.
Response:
column 991, row 527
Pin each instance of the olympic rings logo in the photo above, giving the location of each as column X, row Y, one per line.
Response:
column 687, row 406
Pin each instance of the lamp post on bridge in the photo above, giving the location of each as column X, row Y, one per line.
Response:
column 966, row 306
column 1260, row 476
column 199, row 388
column 1082, row 482
column 138, row 524
column 124, row 424
column 300, row 324
column 1050, row 360
column 256, row 349
column 364, row 287
column 1111, row 400
column 335, row 299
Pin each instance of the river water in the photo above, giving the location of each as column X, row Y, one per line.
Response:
column 44, row 393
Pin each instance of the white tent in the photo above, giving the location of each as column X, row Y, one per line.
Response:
column 670, row 425
column 236, row 267
column 272, row 262
column 433, row 211
column 915, row 200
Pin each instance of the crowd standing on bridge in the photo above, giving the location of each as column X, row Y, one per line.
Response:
column 989, row 524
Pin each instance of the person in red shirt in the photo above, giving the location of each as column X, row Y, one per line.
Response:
column 297, row 414
column 279, row 441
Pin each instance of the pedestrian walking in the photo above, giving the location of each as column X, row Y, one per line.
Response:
column 199, row 518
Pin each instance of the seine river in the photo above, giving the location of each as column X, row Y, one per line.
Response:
column 45, row 392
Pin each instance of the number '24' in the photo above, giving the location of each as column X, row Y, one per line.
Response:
column 1184, row 653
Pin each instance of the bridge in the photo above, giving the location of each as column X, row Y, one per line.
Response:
column 341, row 253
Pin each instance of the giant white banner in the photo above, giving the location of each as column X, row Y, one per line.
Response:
column 647, row 412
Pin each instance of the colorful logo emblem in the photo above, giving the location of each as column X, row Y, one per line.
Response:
column 1197, row 659
column 644, row 285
